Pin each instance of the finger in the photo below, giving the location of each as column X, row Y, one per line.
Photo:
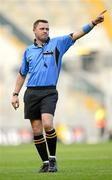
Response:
column 14, row 105
column 103, row 12
column 17, row 106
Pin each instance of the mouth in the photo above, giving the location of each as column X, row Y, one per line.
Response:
column 45, row 35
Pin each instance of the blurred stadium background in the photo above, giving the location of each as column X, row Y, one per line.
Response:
column 86, row 76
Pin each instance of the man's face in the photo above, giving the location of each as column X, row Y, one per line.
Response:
column 42, row 31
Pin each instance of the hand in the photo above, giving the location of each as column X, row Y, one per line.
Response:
column 15, row 102
column 99, row 18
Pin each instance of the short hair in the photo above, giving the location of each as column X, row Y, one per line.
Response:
column 38, row 21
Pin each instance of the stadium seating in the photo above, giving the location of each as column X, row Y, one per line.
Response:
column 64, row 16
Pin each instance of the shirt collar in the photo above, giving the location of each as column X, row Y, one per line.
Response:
column 35, row 43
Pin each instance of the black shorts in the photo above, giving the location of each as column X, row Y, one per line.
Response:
column 38, row 101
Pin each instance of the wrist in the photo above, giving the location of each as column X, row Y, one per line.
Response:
column 93, row 23
column 15, row 94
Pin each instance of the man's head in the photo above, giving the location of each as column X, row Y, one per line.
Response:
column 41, row 30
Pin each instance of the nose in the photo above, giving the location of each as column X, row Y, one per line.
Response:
column 45, row 30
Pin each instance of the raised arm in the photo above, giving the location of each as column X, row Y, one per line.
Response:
column 87, row 28
column 19, row 83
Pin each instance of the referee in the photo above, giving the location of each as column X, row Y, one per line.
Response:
column 42, row 63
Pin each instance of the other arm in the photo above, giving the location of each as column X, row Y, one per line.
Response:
column 19, row 83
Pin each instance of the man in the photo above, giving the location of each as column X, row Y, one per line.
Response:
column 100, row 117
column 42, row 62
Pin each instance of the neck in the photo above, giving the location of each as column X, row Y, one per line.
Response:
column 40, row 43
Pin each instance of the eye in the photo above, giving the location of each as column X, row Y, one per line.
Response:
column 47, row 29
column 41, row 28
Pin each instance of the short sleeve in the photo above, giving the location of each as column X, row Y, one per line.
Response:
column 64, row 43
column 25, row 65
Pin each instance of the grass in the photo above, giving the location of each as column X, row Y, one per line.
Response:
column 75, row 162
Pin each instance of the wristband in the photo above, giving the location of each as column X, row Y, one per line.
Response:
column 87, row 28
column 15, row 94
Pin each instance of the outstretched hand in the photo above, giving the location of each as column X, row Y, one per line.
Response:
column 99, row 18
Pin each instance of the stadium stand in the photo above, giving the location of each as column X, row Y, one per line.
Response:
column 85, row 85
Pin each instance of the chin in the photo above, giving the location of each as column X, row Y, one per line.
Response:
column 44, row 39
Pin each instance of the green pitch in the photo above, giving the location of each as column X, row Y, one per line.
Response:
column 75, row 162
